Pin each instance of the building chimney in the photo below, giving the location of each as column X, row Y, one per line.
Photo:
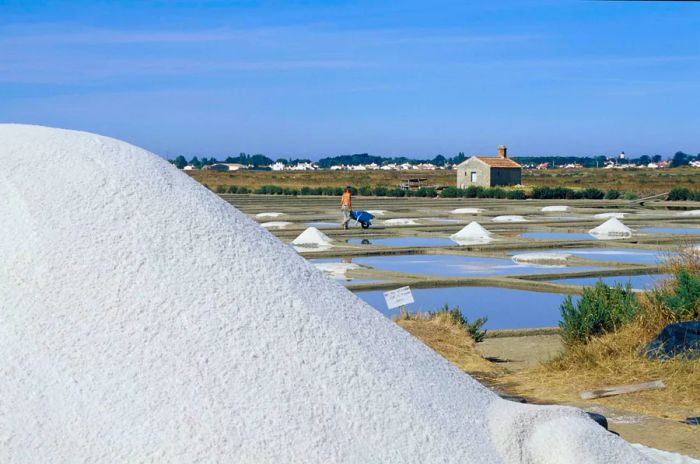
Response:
column 502, row 151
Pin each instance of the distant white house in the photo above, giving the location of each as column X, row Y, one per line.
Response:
column 278, row 166
column 189, row 167
column 225, row 167
column 695, row 164
column 303, row 167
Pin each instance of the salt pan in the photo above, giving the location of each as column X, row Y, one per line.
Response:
column 541, row 258
column 609, row 215
column 400, row 222
column 107, row 354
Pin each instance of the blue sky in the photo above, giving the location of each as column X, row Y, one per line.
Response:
column 316, row 78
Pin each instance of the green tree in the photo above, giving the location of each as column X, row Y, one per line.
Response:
column 180, row 162
column 679, row 159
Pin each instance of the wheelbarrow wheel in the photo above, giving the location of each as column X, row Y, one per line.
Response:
column 365, row 225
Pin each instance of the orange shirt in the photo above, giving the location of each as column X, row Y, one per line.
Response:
column 345, row 200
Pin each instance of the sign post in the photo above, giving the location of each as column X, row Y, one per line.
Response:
column 399, row 298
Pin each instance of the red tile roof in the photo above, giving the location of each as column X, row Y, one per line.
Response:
column 496, row 162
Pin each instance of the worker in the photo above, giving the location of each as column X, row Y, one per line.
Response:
column 346, row 206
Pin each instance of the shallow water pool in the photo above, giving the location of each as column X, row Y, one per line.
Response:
column 325, row 225
column 454, row 266
column 622, row 255
column 671, row 230
column 642, row 282
column 505, row 308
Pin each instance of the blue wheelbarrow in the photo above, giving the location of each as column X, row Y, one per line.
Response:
column 362, row 217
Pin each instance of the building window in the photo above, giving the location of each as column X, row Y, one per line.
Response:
column 473, row 176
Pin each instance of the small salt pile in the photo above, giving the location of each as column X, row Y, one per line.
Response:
column 376, row 212
column 270, row 214
column 467, row 211
column 110, row 356
column 509, row 218
column 611, row 229
column 472, row 234
column 541, row 258
column 275, row 224
column 609, row 215
column 336, row 270
column 312, row 239
column 692, row 212
column 554, row 209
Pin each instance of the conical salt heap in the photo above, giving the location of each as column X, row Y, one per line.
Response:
column 472, row 234
column 312, row 239
column 145, row 319
column 612, row 228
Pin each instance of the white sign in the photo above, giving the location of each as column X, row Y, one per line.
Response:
column 399, row 297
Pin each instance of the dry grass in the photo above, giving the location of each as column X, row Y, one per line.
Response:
column 638, row 181
column 451, row 340
column 643, row 182
column 615, row 358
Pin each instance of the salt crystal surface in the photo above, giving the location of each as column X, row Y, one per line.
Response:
column 376, row 212
column 554, row 209
column 275, row 224
column 336, row 270
column 400, row 222
column 509, row 218
column 692, row 212
column 541, row 257
column 109, row 355
column 270, row 214
column 467, row 211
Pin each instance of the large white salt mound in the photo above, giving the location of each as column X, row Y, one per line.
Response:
column 692, row 212
column 144, row 319
column 467, row 211
column 509, row 218
column 554, row 209
column 612, row 228
column 609, row 215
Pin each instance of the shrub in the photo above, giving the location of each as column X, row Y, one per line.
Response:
column 220, row 189
column 380, row 191
column 365, row 191
column 601, row 309
column 680, row 194
column 612, row 194
column 593, row 193
column 232, row 189
column 682, row 297
column 396, row 192
column 450, row 192
column 515, row 195
column 243, row 190
column 474, row 328
column 472, row 191
column 631, row 196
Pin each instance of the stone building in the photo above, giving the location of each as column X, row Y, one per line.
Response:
column 489, row 171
